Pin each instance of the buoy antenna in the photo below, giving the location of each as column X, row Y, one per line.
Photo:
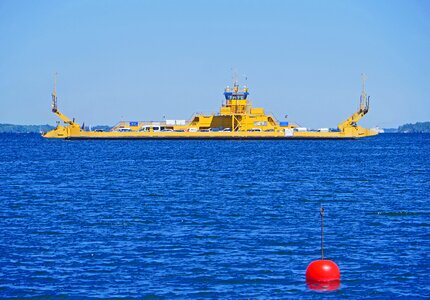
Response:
column 322, row 232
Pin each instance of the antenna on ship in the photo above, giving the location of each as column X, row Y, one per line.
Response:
column 245, row 86
column 234, row 75
column 54, row 94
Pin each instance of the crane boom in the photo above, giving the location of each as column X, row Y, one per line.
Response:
column 364, row 108
column 55, row 107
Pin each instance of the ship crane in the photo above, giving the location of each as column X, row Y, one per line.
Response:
column 364, row 108
column 55, row 110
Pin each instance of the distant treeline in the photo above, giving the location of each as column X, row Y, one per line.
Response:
column 419, row 127
column 11, row 128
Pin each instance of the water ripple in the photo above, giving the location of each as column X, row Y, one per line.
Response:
column 212, row 219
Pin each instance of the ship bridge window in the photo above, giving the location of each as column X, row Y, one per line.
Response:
column 235, row 96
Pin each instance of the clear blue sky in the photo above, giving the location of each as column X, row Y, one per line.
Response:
column 142, row 60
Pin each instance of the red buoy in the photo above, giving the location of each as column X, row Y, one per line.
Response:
column 322, row 270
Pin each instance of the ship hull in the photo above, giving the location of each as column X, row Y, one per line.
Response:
column 280, row 135
column 209, row 138
column 76, row 133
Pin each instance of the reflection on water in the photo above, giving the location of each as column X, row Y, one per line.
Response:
column 323, row 286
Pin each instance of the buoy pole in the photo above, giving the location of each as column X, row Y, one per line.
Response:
column 322, row 232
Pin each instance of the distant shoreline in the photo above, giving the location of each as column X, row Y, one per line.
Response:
column 14, row 128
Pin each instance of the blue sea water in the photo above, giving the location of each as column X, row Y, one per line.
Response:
column 213, row 219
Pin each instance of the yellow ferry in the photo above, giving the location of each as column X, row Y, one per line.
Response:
column 237, row 119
